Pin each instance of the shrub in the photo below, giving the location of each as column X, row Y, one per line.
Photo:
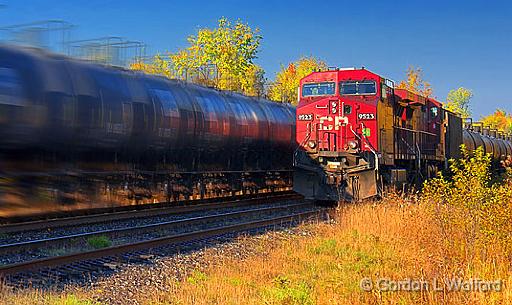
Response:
column 472, row 211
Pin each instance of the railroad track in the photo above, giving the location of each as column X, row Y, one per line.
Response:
column 105, row 215
column 200, row 229
column 182, row 204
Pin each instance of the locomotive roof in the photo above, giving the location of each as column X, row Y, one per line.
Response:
column 361, row 74
column 413, row 98
column 340, row 74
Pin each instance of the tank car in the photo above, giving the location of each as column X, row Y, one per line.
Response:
column 493, row 142
column 73, row 132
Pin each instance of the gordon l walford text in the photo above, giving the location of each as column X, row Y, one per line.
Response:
column 449, row 284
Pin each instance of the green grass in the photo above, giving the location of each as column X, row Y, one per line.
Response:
column 98, row 242
column 197, row 277
column 70, row 300
column 284, row 291
column 326, row 246
column 31, row 297
column 56, row 251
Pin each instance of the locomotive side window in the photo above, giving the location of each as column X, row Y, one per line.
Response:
column 318, row 89
column 433, row 112
column 357, row 88
column 10, row 88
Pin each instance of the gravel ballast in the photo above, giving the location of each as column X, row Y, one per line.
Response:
column 131, row 282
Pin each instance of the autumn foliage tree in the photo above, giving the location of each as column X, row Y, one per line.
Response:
column 221, row 57
column 230, row 48
column 458, row 101
column 414, row 82
column 157, row 66
column 284, row 88
column 500, row 120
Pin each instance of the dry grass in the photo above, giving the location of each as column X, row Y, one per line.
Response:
column 393, row 239
column 44, row 298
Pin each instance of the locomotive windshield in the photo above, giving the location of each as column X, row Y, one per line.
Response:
column 357, row 87
column 318, row 89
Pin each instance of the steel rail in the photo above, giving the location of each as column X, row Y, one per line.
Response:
column 130, row 214
column 122, row 208
column 153, row 243
column 142, row 228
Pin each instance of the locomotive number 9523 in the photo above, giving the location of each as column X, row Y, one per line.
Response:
column 305, row 117
column 366, row 116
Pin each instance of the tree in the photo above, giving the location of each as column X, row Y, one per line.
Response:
column 500, row 120
column 227, row 52
column 253, row 84
column 221, row 57
column 284, row 88
column 458, row 101
column 158, row 66
column 415, row 82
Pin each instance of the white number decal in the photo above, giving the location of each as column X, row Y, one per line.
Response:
column 366, row 116
column 305, row 117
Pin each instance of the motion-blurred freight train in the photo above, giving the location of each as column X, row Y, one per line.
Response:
column 73, row 132
column 357, row 132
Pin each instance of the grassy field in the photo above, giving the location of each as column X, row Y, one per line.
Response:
column 392, row 240
column 456, row 229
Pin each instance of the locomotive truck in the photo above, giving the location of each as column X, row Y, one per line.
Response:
column 72, row 132
column 356, row 132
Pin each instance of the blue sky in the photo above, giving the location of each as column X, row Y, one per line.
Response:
column 457, row 43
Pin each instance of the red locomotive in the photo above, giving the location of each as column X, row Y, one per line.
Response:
column 357, row 132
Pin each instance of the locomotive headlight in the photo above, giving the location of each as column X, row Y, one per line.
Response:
column 311, row 144
column 333, row 107
column 352, row 144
